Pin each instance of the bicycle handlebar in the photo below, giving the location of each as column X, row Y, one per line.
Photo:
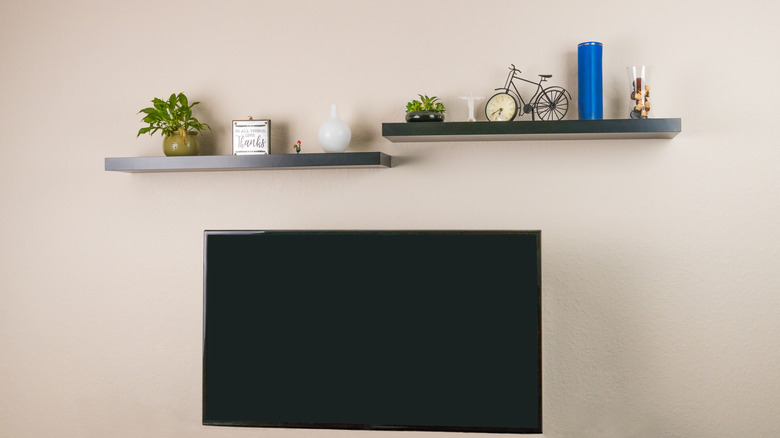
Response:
column 513, row 68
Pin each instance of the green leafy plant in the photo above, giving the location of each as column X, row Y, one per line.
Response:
column 425, row 104
column 172, row 116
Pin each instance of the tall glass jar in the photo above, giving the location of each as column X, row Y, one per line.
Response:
column 639, row 98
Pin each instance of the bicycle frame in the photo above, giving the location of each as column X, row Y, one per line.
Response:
column 510, row 81
column 549, row 103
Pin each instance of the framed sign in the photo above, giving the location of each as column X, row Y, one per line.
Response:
column 251, row 137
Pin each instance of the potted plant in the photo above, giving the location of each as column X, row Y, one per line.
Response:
column 427, row 109
column 173, row 118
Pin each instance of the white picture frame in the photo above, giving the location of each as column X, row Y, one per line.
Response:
column 251, row 137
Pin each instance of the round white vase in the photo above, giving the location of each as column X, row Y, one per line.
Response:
column 334, row 135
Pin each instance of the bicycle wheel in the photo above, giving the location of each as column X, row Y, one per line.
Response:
column 501, row 107
column 552, row 104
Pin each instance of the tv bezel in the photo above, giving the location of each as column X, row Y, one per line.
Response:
column 373, row 427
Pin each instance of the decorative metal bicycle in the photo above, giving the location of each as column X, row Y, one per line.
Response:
column 549, row 103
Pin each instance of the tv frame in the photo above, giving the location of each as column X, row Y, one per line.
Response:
column 372, row 427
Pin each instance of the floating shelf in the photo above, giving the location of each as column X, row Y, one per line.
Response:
column 248, row 162
column 532, row 130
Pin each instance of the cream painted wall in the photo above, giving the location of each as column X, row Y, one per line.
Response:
column 660, row 258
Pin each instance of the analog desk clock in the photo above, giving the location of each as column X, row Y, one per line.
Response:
column 547, row 103
column 501, row 107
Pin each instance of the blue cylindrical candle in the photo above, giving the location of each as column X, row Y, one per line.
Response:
column 590, row 93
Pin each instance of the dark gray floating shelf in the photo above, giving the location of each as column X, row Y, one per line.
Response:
column 248, row 162
column 532, row 130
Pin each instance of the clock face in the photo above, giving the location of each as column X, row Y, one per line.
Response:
column 501, row 108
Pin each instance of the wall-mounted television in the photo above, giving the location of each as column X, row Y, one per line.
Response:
column 378, row 330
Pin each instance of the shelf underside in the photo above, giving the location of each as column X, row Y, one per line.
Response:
column 532, row 130
column 248, row 162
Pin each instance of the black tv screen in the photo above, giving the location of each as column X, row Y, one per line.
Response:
column 384, row 330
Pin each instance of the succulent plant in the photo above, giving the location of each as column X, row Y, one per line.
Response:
column 425, row 104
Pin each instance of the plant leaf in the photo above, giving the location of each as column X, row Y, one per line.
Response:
column 183, row 100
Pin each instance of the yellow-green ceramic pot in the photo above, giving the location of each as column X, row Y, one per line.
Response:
column 174, row 146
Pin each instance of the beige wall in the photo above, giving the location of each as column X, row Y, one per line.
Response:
column 660, row 258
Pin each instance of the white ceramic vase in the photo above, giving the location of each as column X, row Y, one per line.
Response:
column 334, row 135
